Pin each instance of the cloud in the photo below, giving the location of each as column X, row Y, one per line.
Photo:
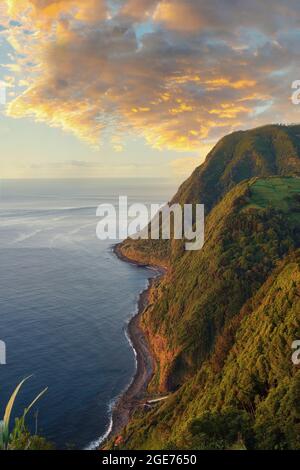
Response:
column 179, row 73
column 45, row 11
column 138, row 9
column 268, row 16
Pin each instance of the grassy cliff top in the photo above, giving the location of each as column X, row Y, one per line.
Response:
column 222, row 323
column 280, row 192
column 263, row 152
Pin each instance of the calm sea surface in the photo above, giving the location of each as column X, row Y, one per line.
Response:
column 65, row 300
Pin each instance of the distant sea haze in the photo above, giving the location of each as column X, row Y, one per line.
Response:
column 65, row 300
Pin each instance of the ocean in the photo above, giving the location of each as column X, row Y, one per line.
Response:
column 65, row 300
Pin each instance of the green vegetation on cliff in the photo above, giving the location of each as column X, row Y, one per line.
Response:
column 222, row 322
column 265, row 151
column 205, row 289
column 248, row 394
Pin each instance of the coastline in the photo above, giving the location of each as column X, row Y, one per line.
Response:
column 136, row 390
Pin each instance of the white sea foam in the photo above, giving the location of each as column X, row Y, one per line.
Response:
column 96, row 443
column 65, row 301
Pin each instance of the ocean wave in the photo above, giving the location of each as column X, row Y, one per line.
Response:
column 97, row 442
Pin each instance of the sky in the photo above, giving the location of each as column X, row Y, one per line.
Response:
column 122, row 88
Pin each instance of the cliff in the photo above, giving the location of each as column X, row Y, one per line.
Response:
column 222, row 322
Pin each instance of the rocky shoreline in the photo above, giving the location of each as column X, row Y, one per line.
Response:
column 137, row 389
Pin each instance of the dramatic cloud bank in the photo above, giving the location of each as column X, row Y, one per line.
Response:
column 179, row 73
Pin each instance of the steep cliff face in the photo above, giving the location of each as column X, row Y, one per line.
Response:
column 247, row 393
column 205, row 317
column 205, row 289
column 265, row 151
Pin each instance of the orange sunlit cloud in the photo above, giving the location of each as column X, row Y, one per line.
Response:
column 135, row 67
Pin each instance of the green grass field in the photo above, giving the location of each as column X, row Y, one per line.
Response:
column 282, row 193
